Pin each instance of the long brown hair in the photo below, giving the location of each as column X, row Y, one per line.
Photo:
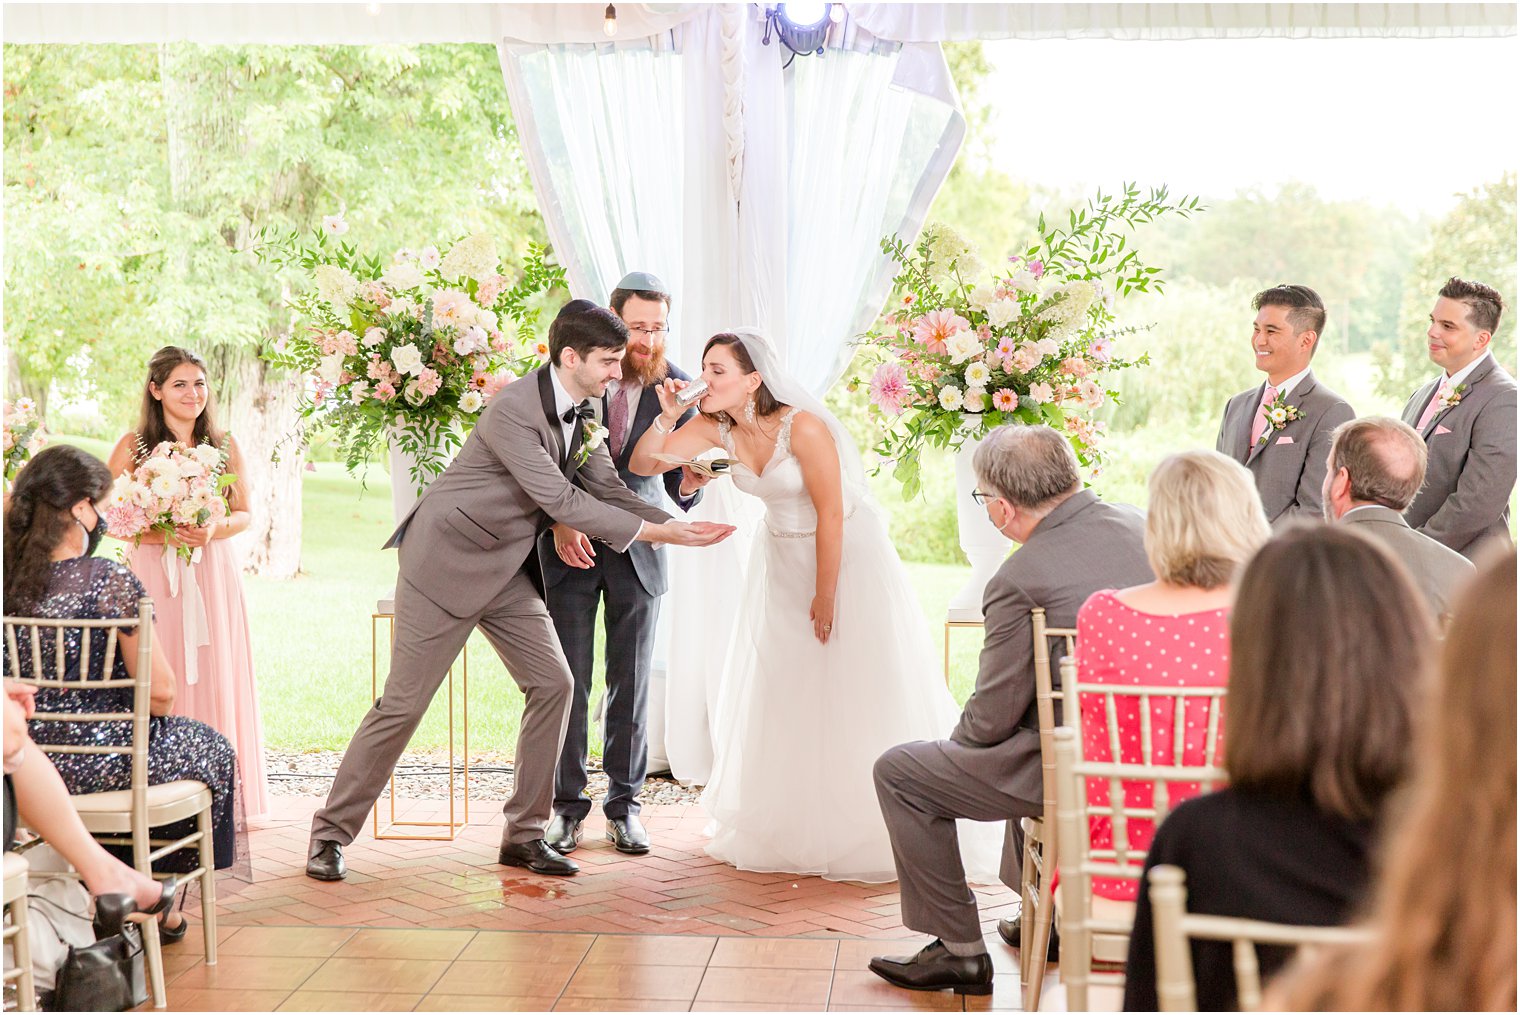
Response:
column 151, row 428
column 37, row 516
column 1328, row 647
column 1443, row 915
column 765, row 402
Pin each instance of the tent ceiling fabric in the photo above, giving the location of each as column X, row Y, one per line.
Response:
column 364, row 23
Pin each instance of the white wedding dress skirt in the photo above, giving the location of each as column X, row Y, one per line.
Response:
column 799, row 724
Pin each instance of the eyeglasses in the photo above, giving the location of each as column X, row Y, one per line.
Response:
column 651, row 332
column 982, row 498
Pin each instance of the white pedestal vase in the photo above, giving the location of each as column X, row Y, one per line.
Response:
column 404, row 496
column 985, row 547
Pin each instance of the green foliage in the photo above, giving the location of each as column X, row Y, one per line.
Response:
column 136, row 178
column 1476, row 240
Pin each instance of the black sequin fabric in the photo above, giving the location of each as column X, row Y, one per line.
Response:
column 93, row 588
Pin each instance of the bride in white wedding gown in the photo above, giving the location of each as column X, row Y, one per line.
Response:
column 830, row 663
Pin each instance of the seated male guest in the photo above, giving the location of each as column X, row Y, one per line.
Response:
column 1281, row 430
column 1467, row 417
column 1071, row 545
column 1328, row 646
column 1376, row 466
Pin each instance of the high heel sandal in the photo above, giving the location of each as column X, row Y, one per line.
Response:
column 113, row 908
column 169, row 935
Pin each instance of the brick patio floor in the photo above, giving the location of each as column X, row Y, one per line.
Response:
column 440, row 926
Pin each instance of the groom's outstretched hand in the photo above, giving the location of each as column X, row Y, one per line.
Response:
column 686, row 533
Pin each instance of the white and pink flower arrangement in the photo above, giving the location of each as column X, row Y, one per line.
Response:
column 172, row 485
column 24, row 434
column 407, row 351
column 963, row 349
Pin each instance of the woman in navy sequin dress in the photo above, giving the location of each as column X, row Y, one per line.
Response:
column 51, row 529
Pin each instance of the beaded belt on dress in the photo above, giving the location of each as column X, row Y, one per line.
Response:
column 781, row 534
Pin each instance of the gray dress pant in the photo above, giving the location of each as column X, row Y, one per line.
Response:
column 922, row 792
column 427, row 640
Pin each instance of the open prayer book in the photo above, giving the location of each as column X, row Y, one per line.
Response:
column 712, row 468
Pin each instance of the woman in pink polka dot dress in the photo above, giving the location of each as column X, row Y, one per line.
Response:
column 1204, row 522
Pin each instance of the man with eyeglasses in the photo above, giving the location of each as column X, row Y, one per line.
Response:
column 627, row 585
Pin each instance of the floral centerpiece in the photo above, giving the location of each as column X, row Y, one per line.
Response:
column 407, row 352
column 24, row 434
column 963, row 349
column 172, row 485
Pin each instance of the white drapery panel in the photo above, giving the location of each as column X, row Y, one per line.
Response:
column 368, row 23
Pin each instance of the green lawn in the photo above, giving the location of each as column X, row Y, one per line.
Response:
column 312, row 633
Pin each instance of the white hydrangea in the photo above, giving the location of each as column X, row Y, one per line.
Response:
column 950, row 397
column 472, row 257
column 336, row 286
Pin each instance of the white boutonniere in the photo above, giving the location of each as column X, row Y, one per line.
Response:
column 1450, row 398
column 592, row 435
column 1279, row 415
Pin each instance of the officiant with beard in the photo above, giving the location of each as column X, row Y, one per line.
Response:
column 627, row 585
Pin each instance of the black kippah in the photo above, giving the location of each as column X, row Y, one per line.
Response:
column 576, row 307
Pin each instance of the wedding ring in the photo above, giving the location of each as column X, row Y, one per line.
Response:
column 828, row 627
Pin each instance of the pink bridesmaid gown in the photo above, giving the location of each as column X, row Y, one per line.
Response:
column 218, row 689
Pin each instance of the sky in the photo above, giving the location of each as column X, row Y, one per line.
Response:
column 1407, row 122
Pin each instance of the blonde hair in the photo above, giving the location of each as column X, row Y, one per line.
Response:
column 1204, row 521
column 1443, row 916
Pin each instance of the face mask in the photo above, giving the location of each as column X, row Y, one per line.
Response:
column 92, row 537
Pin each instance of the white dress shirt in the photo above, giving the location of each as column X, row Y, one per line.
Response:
column 563, row 403
column 1461, row 375
column 1286, row 387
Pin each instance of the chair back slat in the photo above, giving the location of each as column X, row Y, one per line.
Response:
column 1175, row 929
column 1046, row 694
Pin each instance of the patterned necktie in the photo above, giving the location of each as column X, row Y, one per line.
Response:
column 1259, row 427
column 617, row 421
column 1435, row 404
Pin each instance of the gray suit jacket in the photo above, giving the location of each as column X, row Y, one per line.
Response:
column 1290, row 467
column 1438, row 571
column 1082, row 546
column 478, row 523
column 648, row 559
column 1471, row 471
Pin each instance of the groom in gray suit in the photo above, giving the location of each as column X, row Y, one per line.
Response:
column 1281, row 430
column 1071, row 545
column 468, row 560
column 627, row 586
column 1467, row 417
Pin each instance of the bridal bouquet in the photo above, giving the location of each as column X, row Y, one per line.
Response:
column 964, row 349
column 172, row 486
column 411, row 350
column 24, row 435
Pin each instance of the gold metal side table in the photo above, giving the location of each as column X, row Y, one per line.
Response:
column 948, row 625
column 457, row 819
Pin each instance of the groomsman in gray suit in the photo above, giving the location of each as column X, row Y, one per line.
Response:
column 1467, row 417
column 1281, row 429
column 1071, row 545
column 468, row 560
column 1376, row 466
column 626, row 585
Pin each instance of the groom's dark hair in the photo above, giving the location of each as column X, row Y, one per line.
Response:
column 584, row 326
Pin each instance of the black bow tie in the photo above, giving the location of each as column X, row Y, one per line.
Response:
column 583, row 410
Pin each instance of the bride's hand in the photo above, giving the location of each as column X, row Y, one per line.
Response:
column 666, row 393
column 822, row 615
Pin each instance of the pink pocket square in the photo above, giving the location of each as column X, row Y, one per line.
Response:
column 1285, row 439
column 1440, row 430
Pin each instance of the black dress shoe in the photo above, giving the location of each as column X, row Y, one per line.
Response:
column 1008, row 930
column 538, row 856
column 935, row 968
column 563, row 834
column 325, row 860
column 627, row 834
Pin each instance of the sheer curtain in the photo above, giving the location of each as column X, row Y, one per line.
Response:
column 760, row 194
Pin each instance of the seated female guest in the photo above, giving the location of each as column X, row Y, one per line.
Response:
column 51, row 529
column 1328, row 642
column 34, row 790
column 1443, row 915
column 1204, row 522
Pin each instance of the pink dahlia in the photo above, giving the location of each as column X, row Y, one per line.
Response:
column 889, row 388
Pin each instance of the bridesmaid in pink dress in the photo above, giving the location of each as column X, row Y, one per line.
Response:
column 200, row 615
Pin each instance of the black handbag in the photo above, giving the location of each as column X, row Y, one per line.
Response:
column 105, row 976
